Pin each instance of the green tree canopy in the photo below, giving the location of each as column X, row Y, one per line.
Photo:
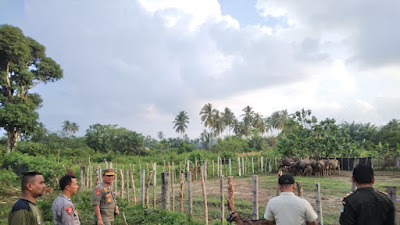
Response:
column 23, row 65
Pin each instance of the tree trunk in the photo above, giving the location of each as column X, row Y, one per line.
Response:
column 13, row 136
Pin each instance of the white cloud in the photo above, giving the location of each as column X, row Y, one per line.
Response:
column 138, row 63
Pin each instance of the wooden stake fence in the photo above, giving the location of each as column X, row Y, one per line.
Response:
column 255, row 197
column 203, row 188
column 318, row 204
column 165, row 197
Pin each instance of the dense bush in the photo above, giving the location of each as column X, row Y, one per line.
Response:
column 23, row 163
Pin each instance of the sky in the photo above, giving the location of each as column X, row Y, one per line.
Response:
column 138, row 63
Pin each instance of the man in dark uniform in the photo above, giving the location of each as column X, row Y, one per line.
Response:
column 366, row 206
column 105, row 205
column 64, row 211
column 25, row 211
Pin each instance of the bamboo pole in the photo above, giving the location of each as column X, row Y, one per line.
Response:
column 262, row 164
column 116, row 179
column 243, row 167
column 203, row 188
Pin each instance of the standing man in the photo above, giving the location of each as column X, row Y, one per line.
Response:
column 288, row 209
column 105, row 205
column 366, row 206
column 25, row 210
column 64, row 212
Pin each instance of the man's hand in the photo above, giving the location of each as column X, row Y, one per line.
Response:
column 100, row 222
column 116, row 210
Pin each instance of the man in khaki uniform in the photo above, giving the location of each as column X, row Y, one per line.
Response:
column 105, row 205
column 64, row 211
column 25, row 210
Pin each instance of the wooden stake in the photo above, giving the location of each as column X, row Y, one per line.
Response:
column 172, row 187
column 231, row 197
column 148, row 188
column 391, row 190
column 318, row 204
column 121, row 174
column 189, row 184
column 133, row 189
column 203, row 188
column 142, row 182
column 181, row 193
column 255, row 197
column 154, row 184
column 165, row 197
column 299, row 189
column 221, row 186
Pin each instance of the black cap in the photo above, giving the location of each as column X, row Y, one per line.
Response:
column 286, row 179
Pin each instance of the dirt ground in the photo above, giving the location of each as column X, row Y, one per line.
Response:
column 333, row 189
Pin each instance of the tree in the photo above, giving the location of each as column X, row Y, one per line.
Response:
column 228, row 117
column 207, row 114
column 180, row 122
column 69, row 127
column 23, row 65
column 248, row 118
column 105, row 138
column 218, row 122
column 160, row 135
column 258, row 123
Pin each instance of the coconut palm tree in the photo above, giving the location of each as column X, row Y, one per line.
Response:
column 74, row 128
column 66, row 127
column 160, row 135
column 248, row 118
column 218, row 122
column 207, row 113
column 258, row 123
column 228, row 117
column 180, row 122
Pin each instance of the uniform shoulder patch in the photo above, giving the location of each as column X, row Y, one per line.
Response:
column 69, row 210
column 98, row 191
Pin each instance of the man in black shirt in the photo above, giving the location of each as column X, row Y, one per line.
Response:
column 366, row 206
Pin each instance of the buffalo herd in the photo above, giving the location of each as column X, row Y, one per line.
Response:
column 308, row 167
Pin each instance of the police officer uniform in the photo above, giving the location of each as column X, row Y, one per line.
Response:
column 64, row 212
column 367, row 207
column 105, row 198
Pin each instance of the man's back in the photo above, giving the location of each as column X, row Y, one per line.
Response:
column 288, row 209
column 25, row 212
column 368, row 207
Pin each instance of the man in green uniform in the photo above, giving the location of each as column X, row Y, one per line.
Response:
column 105, row 205
column 64, row 211
column 25, row 211
column 366, row 206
